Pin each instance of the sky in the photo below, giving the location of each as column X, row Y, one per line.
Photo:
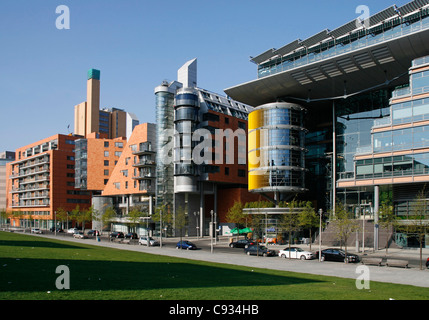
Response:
column 137, row 44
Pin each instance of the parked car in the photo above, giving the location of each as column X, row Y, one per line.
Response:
column 116, row 235
column 92, row 233
column 58, row 229
column 72, row 230
column 131, row 235
column 427, row 263
column 337, row 255
column 188, row 245
column 259, row 250
column 36, row 230
column 79, row 235
column 295, row 253
column 152, row 241
column 243, row 243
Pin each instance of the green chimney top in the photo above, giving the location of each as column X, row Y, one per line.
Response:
column 94, row 74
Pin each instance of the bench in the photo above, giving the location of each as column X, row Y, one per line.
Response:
column 397, row 263
column 374, row 261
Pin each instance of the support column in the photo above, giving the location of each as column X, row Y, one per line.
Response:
column 334, row 158
column 376, row 209
column 202, row 209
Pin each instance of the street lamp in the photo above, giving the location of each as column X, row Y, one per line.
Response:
column 320, row 234
column 211, row 232
column 198, row 226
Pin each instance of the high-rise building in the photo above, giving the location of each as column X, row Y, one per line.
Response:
column 110, row 122
column 361, row 90
column 41, row 181
column 201, row 151
column 132, row 182
column 5, row 157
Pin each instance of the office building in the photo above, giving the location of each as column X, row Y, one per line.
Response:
column 201, row 151
column 41, row 181
column 90, row 117
column 361, row 90
column 132, row 183
column 5, row 157
column 95, row 160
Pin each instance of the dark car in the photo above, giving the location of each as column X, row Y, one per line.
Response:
column 259, row 250
column 116, row 235
column 131, row 235
column 337, row 255
column 92, row 233
column 188, row 245
column 241, row 243
column 52, row 229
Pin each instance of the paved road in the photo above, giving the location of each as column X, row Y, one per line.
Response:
column 223, row 254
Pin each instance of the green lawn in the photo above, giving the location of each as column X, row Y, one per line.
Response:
column 28, row 264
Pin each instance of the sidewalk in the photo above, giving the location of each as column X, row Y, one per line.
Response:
column 410, row 276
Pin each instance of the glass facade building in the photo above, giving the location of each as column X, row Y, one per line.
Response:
column 277, row 148
column 366, row 96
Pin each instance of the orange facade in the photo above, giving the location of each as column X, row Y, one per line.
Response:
column 135, row 170
column 41, row 179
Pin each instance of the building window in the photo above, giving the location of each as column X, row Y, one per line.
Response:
column 106, row 162
column 106, row 144
column 242, row 125
column 106, row 172
column 106, row 153
column 119, row 144
column 241, row 173
column 226, row 171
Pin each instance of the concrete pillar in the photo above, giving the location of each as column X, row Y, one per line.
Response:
column 376, row 210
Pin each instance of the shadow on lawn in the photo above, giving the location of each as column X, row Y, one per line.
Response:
column 38, row 243
column 39, row 275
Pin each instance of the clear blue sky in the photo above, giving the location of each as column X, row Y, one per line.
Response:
column 137, row 44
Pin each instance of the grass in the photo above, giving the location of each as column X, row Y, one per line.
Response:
column 28, row 264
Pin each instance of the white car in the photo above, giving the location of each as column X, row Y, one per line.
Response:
column 72, row 230
column 295, row 253
column 79, row 235
column 152, row 242
column 36, row 230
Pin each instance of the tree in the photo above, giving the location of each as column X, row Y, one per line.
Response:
column 308, row 218
column 62, row 216
column 81, row 216
column 180, row 220
column 289, row 221
column 235, row 215
column 387, row 220
column 418, row 222
column 108, row 216
column 345, row 225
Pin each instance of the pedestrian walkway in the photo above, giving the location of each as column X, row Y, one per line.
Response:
column 410, row 276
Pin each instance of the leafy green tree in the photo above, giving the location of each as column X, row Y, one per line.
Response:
column 108, row 216
column 418, row 222
column 62, row 216
column 344, row 225
column 387, row 220
column 180, row 220
column 308, row 218
column 290, row 220
column 235, row 215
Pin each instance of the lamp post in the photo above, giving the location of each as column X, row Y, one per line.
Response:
column 320, row 234
column 198, row 226
column 211, row 232
column 160, row 228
